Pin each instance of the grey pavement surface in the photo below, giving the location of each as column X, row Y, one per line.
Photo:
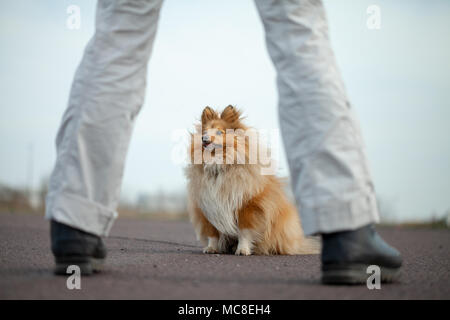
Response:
column 162, row 260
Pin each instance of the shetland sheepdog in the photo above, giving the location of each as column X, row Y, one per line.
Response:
column 233, row 206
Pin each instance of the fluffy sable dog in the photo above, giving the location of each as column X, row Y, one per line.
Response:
column 233, row 205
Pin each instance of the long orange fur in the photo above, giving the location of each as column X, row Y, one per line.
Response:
column 267, row 222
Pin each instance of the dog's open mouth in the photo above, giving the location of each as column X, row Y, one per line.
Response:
column 209, row 146
column 206, row 144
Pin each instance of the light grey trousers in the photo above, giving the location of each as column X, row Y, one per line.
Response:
column 329, row 173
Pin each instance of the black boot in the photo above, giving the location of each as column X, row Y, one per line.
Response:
column 347, row 254
column 71, row 246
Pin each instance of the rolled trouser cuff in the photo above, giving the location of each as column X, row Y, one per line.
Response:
column 80, row 213
column 334, row 215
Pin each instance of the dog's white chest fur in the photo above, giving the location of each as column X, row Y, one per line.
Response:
column 220, row 198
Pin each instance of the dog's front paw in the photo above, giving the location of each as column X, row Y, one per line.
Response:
column 243, row 251
column 209, row 249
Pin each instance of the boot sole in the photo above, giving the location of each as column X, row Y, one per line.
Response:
column 357, row 274
column 87, row 265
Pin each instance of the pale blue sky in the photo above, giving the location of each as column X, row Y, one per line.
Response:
column 211, row 52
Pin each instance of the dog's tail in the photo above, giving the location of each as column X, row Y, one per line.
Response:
column 310, row 245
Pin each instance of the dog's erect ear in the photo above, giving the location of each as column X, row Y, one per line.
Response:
column 230, row 114
column 208, row 114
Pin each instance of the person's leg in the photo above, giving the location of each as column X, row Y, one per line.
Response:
column 106, row 95
column 330, row 177
column 329, row 173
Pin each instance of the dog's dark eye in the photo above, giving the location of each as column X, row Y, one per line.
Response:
column 219, row 132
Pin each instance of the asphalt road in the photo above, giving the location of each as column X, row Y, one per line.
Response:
column 162, row 260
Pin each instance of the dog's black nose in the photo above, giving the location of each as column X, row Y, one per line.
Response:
column 205, row 138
